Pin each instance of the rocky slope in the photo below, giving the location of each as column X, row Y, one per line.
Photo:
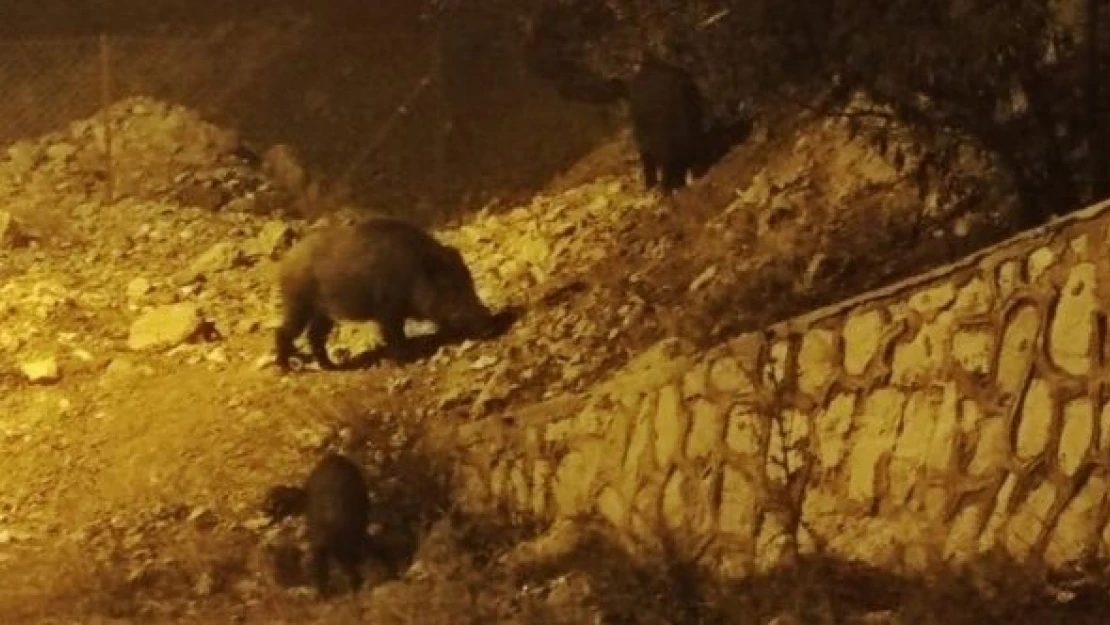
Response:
column 140, row 415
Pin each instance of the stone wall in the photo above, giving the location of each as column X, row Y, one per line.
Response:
column 938, row 419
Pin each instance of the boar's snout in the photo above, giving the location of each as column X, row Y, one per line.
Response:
column 471, row 319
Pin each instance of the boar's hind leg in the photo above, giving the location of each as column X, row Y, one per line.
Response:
column 296, row 319
column 674, row 175
column 350, row 563
column 318, row 330
column 318, row 563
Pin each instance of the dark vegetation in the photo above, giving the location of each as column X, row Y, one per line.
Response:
column 464, row 95
column 1020, row 76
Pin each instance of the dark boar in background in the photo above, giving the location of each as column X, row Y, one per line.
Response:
column 667, row 113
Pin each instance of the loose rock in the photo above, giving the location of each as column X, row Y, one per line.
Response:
column 164, row 327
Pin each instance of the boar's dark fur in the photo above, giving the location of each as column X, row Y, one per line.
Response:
column 667, row 113
column 384, row 270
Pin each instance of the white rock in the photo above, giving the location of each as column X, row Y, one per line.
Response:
column 137, row 288
column 165, row 326
column 42, row 371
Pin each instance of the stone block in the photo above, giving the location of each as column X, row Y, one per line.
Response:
column 942, row 444
column 1073, row 323
column 520, row 488
column 1008, row 278
column 727, row 376
column 773, row 544
column 499, row 480
column 817, row 362
column 879, row 423
column 541, row 488
column 1000, row 513
column 702, row 515
column 913, row 442
column 748, row 350
column 1104, row 545
column 1018, row 341
column 741, row 503
column 618, row 434
column 779, row 360
column 745, row 431
column 973, row 298
column 863, row 331
column 1079, row 246
column 962, row 541
column 876, row 542
column 596, row 417
column 613, row 508
column 1029, row 520
column 675, row 501
column 574, row 480
column 735, row 565
column 638, row 453
column 164, row 327
column 823, row 510
column 1104, row 429
column 922, row 358
column 561, row 430
column 992, row 449
column 695, row 383
column 832, row 429
column 970, row 415
column 972, row 350
column 935, row 502
column 1035, row 427
column 788, row 444
column 648, row 499
column 1076, row 534
column 1076, row 434
column 866, row 461
column 1040, row 261
column 933, row 299
column 472, row 488
column 707, row 430
column 670, row 425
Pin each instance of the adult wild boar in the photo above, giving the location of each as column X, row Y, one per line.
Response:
column 384, row 270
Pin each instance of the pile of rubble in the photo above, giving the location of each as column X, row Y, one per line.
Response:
column 151, row 151
column 183, row 191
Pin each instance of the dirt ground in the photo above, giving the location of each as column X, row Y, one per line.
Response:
column 131, row 478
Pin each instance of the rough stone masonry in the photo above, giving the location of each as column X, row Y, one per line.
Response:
column 960, row 412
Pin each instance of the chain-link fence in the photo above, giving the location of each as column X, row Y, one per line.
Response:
column 408, row 115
